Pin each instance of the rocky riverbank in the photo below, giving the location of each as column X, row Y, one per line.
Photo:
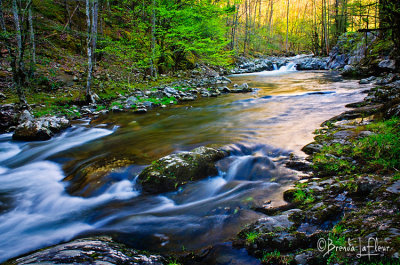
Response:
column 348, row 200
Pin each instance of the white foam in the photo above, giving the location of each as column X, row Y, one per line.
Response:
column 43, row 213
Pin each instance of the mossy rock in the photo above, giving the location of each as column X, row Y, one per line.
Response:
column 173, row 171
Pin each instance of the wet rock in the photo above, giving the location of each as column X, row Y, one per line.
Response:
column 363, row 134
column 395, row 188
column 40, row 129
column 188, row 98
column 356, row 113
column 173, row 171
column 304, row 258
column 338, row 61
column 273, row 223
column 86, row 110
column 268, row 209
column 387, row 65
column 25, row 116
column 244, row 88
column 225, row 80
column 224, row 89
column 364, row 81
column 393, row 111
column 349, row 70
column 131, row 100
column 8, row 118
column 312, row 148
column 169, row 91
column 140, row 110
column 346, row 134
column 116, row 109
column 99, row 250
column 299, row 165
column 312, row 64
column 2, row 96
column 148, row 104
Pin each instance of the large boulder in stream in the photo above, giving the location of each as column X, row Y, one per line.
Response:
column 313, row 63
column 31, row 129
column 173, row 171
column 99, row 250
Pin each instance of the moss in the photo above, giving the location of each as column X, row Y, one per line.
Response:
column 252, row 236
column 276, row 257
column 379, row 151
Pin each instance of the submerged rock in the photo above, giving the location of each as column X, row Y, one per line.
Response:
column 40, row 129
column 244, row 88
column 173, row 171
column 99, row 250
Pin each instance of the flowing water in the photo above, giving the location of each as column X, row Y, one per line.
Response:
column 83, row 182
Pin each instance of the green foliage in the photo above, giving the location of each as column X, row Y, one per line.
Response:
column 66, row 110
column 116, row 103
column 186, row 32
column 303, row 196
column 276, row 257
column 379, row 151
column 252, row 236
column 101, row 107
column 173, row 263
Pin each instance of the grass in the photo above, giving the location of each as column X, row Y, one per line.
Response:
column 396, row 176
column 378, row 152
column 276, row 257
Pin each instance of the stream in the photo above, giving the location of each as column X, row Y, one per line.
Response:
column 83, row 181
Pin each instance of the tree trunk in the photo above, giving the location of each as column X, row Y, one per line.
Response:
column 287, row 27
column 33, row 45
column 18, row 71
column 153, row 41
column 91, row 18
column 246, row 27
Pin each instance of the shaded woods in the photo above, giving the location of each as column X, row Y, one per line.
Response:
column 155, row 37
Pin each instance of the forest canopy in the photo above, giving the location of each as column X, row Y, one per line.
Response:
column 155, row 37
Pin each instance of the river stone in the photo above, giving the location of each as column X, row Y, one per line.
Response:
column 312, row 148
column 8, row 118
column 40, row 129
column 99, row 250
column 170, row 91
column 387, row 65
column 173, row 171
column 395, row 188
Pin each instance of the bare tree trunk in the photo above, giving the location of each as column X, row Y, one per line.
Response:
column 246, row 26
column 89, row 50
column 17, row 27
column 327, row 26
column 33, row 45
column 153, row 41
column 95, row 15
column 18, row 71
column 287, row 26
column 91, row 18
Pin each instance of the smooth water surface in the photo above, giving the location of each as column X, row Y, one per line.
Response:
column 83, row 182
